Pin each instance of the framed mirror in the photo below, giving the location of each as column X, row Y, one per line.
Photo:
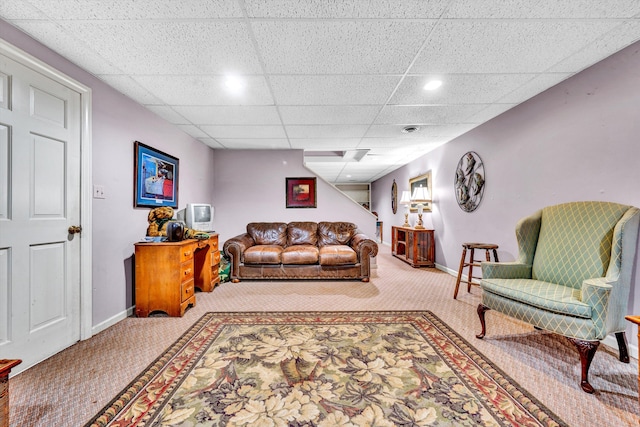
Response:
column 421, row 181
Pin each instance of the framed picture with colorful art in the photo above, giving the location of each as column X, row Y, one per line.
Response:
column 301, row 192
column 155, row 177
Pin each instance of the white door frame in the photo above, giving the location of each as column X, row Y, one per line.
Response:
column 86, row 299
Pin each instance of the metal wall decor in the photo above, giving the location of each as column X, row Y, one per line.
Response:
column 469, row 181
column 394, row 197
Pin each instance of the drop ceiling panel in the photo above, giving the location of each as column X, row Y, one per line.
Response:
column 326, row 131
column 230, row 115
column 430, row 114
column 322, row 144
column 219, row 132
column 379, row 9
column 328, row 115
column 533, row 87
column 459, row 88
column 333, row 89
column 194, row 131
column 255, row 144
column 339, row 47
column 169, row 114
column 139, row 9
column 482, row 46
column 174, row 47
column 433, row 130
column 126, row 85
column 205, row 90
column 211, row 142
column 547, row 9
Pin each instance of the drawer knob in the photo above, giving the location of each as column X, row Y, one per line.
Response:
column 187, row 272
column 187, row 253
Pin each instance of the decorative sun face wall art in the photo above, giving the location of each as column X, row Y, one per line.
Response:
column 469, row 181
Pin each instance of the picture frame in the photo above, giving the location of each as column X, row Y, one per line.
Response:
column 425, row 181
column 301, row 192
column 155, row 177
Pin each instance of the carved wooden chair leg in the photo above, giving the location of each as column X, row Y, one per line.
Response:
column 481, row 310
column 623, row 351
column 587, row 350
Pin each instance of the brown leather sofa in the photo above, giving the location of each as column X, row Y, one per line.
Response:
column 300, row 250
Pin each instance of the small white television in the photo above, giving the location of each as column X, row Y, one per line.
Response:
column 198, row 216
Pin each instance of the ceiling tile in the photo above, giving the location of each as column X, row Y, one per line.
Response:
column 194, row 131
column 255, row 144
column 230, row 115
column 490, row 112
column 328, row 115
column 430, row 114
column 326, row 131
column 459, row 88
column 128, row 86
column 221, row 132
column 320, row 144
column 379, row 9
column 482, row 46
column 385, row 131
column 211, row 142
column 174, row 47
column 333, row 90
column 169, row 114
column 205, row 90
column 10, row 10
column 574, row 9
column 618, row 38
column 139, row 9
column 533, row 87
column 335, row 47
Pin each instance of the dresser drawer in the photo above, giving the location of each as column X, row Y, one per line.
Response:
column 215, row 258
column 186, row 271
column 187, row 290
column 213, row 241
column 186, row 253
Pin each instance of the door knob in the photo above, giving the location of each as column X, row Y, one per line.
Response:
column 75, row 229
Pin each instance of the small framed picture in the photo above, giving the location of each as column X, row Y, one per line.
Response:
column 301, row 192
column 155, row 178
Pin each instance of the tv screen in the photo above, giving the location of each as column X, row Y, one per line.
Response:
column 202, row 213
column 199, row 216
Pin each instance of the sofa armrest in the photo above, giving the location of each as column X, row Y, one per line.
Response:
column 234, row 249
column 364, row 246
column 505, row 270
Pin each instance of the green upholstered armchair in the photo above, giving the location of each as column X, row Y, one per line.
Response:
column 572, row 276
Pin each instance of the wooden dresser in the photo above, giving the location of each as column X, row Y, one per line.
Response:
column 636, row 320
column 5, row 369
column 167, row 274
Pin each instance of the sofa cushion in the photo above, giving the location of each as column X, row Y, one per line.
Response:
column 335, row 233
column 268, row 233
column 263, row 254
column 302, row 233
column 300, row 254
column 337, row 255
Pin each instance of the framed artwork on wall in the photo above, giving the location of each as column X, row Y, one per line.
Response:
column 394, row 197
column 301, row 192
column 155, row 177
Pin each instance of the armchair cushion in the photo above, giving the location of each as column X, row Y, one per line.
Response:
column 263, row 254
column 337, row 255
column 300, row 254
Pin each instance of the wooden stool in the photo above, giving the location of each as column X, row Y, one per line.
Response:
column 5, row 369
column 473, row 262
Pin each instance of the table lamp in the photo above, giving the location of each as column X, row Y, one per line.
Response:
column 420, row 196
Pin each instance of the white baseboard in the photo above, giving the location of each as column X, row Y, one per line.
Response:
column 112, row 321
column 609, row 341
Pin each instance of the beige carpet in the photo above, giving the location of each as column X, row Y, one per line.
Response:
column 69, row 388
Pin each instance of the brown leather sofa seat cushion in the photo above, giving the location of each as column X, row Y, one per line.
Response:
column 337, row 255
column 300, row 254
column 268, row 233
column 335, row 233
column 302, row 233
column 263, row 254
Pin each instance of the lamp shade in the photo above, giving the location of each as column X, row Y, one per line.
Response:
column 406, row 198
column 421, row 194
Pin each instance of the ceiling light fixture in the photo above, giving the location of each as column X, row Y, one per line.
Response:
column 433, row 85
column 410, row 129
column 234, row 84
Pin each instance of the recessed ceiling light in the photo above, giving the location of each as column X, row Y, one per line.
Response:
column 433, row 85
column 410, row 129
column 234, row 84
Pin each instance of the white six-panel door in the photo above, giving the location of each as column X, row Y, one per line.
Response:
column 40, row 164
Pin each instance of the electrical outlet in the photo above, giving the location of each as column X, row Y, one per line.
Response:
column 98, row 192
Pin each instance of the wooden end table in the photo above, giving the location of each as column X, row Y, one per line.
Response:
column 5, row 368
column 636, row 320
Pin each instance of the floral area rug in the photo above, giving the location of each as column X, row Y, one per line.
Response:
column 402, row 368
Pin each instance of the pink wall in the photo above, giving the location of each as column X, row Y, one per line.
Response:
column 250, row 187
column 117, row 123
column 577, row 141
